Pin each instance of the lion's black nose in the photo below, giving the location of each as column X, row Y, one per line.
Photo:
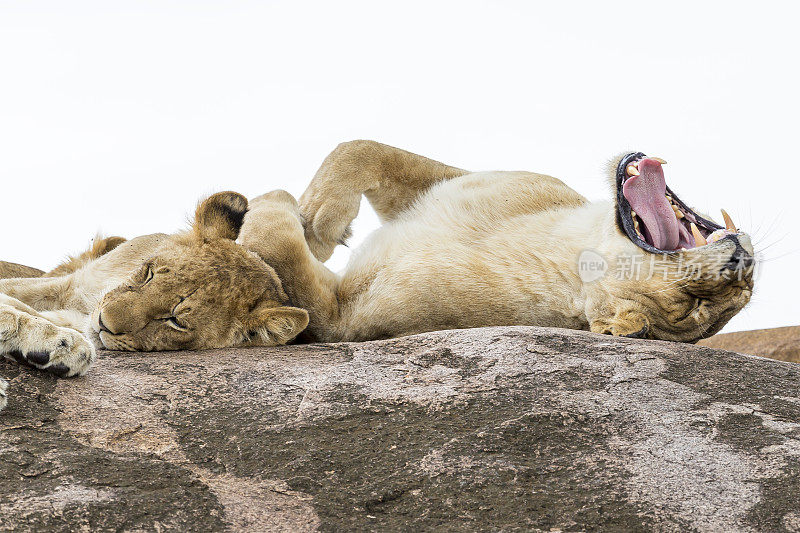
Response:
column 740, row 259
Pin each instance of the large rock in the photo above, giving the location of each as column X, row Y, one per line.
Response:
column 500, row 428
column 782, row 344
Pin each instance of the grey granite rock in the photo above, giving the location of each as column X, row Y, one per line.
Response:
column 517, row 428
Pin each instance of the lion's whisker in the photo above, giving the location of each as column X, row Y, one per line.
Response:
column 771, row 259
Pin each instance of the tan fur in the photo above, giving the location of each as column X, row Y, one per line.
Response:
column 100, row 246
column 14, row 270
column 192, row 290
column 462, row 249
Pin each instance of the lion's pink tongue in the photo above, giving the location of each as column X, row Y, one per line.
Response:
column 645, row 193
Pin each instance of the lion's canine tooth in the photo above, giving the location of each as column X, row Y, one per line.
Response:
column 699, row 240
column 632, row 170
column 728, row 221
column 659, row 160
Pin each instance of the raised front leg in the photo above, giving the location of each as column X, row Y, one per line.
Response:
column 389, row 177
column 273, row 229
column 31, row 339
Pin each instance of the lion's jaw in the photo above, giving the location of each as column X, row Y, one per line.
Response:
column 679, row 295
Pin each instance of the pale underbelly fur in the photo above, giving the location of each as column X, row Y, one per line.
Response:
column 461, row 257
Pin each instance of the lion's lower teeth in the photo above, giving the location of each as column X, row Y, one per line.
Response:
column 636, row 223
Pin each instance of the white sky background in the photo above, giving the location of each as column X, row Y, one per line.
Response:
column 119, row 115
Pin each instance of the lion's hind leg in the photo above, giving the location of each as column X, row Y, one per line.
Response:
column 15, row 270
column 31, row 339
column 100, row 246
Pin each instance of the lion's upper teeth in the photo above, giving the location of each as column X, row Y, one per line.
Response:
column 659, row 160
column 632, row 170
column 678, row 213
column 699, row 240
column 729, row 225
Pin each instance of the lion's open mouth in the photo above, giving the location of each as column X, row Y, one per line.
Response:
column 653, row 217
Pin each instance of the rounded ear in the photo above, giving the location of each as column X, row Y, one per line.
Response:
column 277, row 325
column 220, row 216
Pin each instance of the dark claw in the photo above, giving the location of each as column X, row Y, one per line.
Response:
column 39, row 358
column 59, row 369
column 641, row 334
column 19, row 357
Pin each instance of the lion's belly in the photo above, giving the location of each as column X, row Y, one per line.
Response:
column 460, row 266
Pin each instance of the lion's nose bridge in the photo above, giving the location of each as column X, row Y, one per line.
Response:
column 740, row 259
column 742, row 256
column 121, row 314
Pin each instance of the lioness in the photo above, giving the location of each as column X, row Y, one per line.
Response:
column 457, row 250
column 191, row 290
column 460, row 249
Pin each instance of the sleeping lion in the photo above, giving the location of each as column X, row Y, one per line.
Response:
column 457, row 249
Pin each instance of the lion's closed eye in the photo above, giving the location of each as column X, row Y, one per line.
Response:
column 176, row 324
column 692, row 306
column 700, row 311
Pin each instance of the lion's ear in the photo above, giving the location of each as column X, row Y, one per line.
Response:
column 220, row 216
column 277, row 325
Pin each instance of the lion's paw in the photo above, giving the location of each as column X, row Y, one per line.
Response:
column 36, row 342
column 328, row 223
column 623, row 324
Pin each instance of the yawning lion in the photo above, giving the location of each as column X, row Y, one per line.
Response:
column 461, row 249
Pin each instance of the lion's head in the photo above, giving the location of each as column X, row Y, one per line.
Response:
column 201, row 290
column 676, row 275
